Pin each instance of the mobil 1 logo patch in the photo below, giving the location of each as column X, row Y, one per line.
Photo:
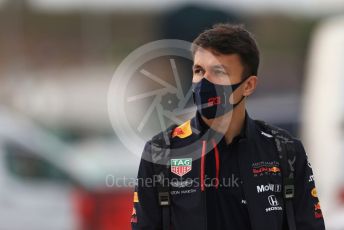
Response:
column 181, row 166
column 269, row 188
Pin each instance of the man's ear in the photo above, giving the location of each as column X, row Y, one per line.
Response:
column 250, row 85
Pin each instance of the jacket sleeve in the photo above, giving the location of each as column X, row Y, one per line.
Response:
column 146, row 211
column 308, row 213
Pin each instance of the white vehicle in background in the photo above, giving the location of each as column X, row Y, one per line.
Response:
column 47, row 185
column 323, row 117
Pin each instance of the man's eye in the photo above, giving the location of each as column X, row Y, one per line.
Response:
column 198, row 71
column 220, row 72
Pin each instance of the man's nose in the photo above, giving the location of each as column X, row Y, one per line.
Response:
column 208, row 76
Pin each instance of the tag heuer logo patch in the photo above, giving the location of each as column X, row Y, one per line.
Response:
column 181, row 166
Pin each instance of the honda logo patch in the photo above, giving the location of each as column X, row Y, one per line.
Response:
column 273, row 200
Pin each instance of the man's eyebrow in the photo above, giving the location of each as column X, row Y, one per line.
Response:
column 219, row 67
column 196, row 66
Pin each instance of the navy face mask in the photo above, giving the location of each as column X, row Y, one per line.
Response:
column 212, row 100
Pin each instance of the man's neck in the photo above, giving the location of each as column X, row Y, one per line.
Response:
column 229, row 124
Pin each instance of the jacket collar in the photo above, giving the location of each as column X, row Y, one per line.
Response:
column 201, row 128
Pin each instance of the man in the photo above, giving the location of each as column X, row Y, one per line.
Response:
column 221, row 169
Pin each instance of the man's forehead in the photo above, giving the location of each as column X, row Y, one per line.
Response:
column 208, row 56
column 203, row 57
column 221, row 61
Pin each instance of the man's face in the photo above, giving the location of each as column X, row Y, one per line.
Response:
column 222, row 69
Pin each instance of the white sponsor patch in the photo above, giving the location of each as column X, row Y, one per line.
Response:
column 273, row 201
column 182, row 184
column 278, row 208
column 269, row 188
column 266, row 134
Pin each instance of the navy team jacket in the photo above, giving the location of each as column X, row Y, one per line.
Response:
column 260, row 171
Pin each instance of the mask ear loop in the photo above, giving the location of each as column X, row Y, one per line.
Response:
column 233, row 88
column 235, row 104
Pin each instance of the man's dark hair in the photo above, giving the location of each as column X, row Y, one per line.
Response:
column 231, row 39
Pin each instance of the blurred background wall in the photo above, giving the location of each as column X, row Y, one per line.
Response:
column 57, row 58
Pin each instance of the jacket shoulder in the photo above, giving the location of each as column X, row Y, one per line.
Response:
column 272, row 130
column 163, row 138
column 284, row 135
column 157, row 148
column 174, row 136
